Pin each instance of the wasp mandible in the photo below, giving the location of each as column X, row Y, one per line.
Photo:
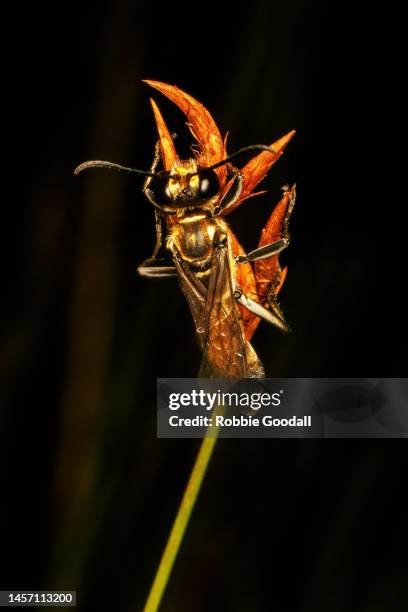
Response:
column 228, row 291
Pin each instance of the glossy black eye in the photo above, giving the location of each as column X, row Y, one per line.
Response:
column 209, row 184
column 160, row 188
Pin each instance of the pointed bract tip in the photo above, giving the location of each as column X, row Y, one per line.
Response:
column 154, row 105
column 280, row 144
column 168, row 151
column 158, row 84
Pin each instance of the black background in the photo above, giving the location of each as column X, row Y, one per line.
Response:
column 89, row 492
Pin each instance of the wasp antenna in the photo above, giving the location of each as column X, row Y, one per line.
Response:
column 257, row 147
column 111, row 166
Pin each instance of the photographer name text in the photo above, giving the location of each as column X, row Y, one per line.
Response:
column 240, row 421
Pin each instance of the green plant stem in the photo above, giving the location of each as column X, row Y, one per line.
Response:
column 181, row 521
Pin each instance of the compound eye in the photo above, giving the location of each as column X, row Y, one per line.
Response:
column 161, row 190
column 209, row 184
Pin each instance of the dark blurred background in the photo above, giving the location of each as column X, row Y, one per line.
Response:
column 89, row 493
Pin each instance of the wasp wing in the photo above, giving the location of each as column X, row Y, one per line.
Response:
column 194, row 291
column 226, row 353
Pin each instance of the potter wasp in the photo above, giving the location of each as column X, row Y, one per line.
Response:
column 228, row 291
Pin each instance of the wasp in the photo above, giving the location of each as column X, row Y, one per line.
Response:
column 228, row 291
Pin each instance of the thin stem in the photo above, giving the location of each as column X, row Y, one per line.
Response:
column 181, row 521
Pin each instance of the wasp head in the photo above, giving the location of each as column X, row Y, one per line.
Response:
column 183, row 186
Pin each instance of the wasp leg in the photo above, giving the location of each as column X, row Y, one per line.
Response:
column 273, row 248
column 275, row 309
column 154, row 165
column 263, row 252
column 147, row 192
column 153, row 266
column 232, row 194
column 156, row 268
column 271, row 316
